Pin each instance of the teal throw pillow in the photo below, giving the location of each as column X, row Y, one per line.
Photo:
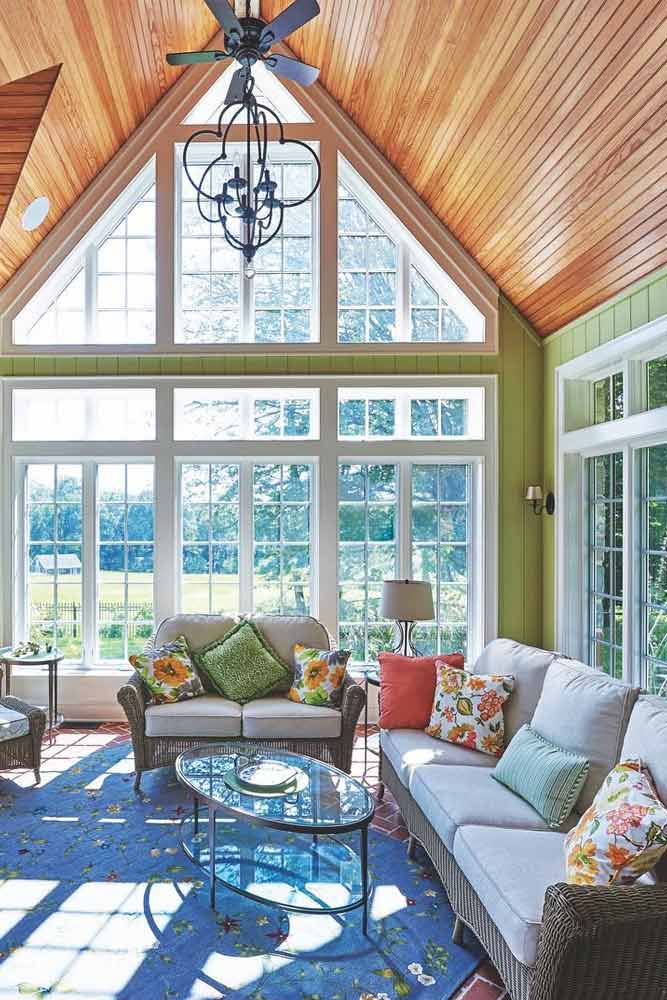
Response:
column 242, row 665
column 543, row 774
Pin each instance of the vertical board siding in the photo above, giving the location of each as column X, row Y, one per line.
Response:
column 641, row 304
column 519, row 367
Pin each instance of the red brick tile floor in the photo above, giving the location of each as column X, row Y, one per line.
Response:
column 72, row 743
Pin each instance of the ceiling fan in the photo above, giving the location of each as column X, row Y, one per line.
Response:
column 249, row 40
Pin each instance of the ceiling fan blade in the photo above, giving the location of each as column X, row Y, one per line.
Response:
column 186, row 58
column 236, row 86
column 224, row 14
column 293, row 17
column 293, row 69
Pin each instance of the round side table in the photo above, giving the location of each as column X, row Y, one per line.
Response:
column 50, row 660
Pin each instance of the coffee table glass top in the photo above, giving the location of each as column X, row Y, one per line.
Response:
column 328, row 801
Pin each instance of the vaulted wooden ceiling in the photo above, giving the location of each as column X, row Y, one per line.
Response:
column 535, row 129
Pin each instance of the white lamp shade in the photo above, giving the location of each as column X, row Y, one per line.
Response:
column 534, row 493
column 407, row 601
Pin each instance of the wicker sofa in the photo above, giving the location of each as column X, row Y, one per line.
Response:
column 504, row 869
column 161, row 732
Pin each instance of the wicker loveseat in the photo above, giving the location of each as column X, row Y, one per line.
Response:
column 504, row 869
column 161, row 732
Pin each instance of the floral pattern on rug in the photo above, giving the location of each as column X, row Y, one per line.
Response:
column 98, row 901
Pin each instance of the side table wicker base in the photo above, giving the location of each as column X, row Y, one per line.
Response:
column 24, row 751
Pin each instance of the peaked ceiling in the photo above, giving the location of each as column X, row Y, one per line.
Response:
column 22, row 104
column 535, row 129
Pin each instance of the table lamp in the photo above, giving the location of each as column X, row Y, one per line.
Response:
column 407, row 602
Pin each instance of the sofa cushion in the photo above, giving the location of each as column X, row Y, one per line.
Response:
column 646, row 738
column 407, row 748
column 510, row 870
column 586, row 711
column 13, row 724
column 208, row 716
column 242, row 665
column 528, row 665
column 283, row 631
column 167, row 672
column 456, row 796
column 468, row 708
column 278, row 718
column 407, row 687
column 198, row 630
column 319, row 675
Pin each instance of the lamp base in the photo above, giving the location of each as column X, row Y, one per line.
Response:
column 405, row 646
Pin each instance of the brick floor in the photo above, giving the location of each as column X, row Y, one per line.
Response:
column 72, row 744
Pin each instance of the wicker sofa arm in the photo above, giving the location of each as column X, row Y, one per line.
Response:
column 132, row 699
column 354, row 699
column 602, row 943
column 37, row 716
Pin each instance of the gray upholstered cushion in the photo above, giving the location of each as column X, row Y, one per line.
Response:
column 586, row 711
column 208, row 716
column 283, row 631
column 13, row 724
column 198, row 630
column 528, row 665
column 510, row 871
column 279, row 718
column 407, row 748
column 451, row 797
column 646, row 737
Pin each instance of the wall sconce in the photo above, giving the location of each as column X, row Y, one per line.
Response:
column 541, row 504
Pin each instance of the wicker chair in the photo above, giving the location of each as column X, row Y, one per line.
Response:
column 24, row 751
column 159, row 751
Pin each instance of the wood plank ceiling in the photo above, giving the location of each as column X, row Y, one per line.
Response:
column 22, row 104
column 535, row 129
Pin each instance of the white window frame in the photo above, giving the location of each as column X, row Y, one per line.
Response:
column 578, row 439
column 324, row 453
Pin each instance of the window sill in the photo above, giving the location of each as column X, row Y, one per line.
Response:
column 103, row 670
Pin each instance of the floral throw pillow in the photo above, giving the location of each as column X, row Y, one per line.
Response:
column 468, row 708
column 622, row 835
column 318, row 676
column 168, row 673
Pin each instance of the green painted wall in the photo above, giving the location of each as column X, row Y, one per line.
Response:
column 640, row 304
column 519, row 367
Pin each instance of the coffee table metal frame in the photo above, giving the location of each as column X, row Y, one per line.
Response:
column 214, row 806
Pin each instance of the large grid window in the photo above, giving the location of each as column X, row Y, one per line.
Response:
column 440, row 551
column 64, row 319
column 654, row 567
column 125, row 555
column 282, row 538
column 53, row 555
column 368, row 554
column 210, row 537
column 605, row 604
column 431, row 318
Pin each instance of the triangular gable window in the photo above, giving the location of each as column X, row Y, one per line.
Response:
column 268, row 90
column 389, row 288
column 104, row 291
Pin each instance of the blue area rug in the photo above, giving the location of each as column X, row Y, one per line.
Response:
column 99, row 902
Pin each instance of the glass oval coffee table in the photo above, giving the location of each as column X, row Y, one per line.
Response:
column 297, row 851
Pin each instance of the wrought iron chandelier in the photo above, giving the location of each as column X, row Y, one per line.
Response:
column 247, row 202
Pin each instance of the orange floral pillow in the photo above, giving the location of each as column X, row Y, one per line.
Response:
column 622, row 835
column 318, row 676
column 168, row 673
column 468, row 708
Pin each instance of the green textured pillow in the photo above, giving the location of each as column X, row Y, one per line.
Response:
column 543, row 774
column 241, row 665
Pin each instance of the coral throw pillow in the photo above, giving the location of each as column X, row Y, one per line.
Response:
column 622, row 835
column 468, row 708
column 318, row 676
column 407, row 686
column 168, row 673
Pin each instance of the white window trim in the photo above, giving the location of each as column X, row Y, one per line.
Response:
column 639, row 429
column 324, row 454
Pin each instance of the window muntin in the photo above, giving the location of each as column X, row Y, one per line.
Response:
column 368, row 554
column 656, row 382
column 53, row 556
column 608, row 401
column 282, row 522
column 605, row 562
column 245, row 414
column 431, row 318
column 441, row 495
column 217, row 302
column 102, row 414
column 104, row 292
column 125, row 545
column 210, row 497
column 654, row 568
column 409, row 414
